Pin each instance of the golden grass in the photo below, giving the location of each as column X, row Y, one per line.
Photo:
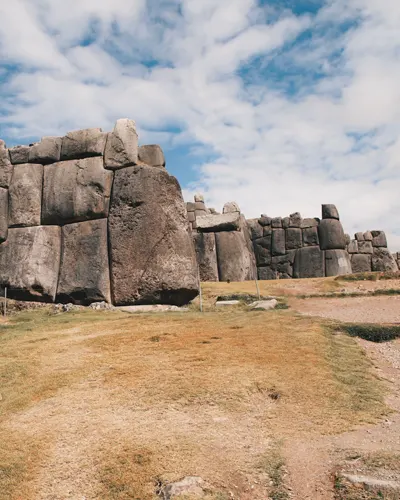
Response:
column 176, row 394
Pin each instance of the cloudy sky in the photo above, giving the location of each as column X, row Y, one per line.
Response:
column 280, row 105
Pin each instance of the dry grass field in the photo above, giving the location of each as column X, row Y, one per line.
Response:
column 110, row 405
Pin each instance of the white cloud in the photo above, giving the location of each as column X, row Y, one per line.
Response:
column 336, row 139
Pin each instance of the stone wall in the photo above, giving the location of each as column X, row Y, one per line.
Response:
column 94, row 217
column 283, row 248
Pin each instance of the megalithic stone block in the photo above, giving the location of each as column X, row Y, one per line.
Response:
column 361, row 263
column 152, row 155
column 30, row 261
column 151, row 249
column 83, row 144
column 309, row 262
column 3, row 214
column 216, row 223
column 84, row 274
column 278, row 242
column 19, row 154
column 6, row 167
column 206, row 253
column 235, row 259
column 267, row 273
column 382, row 260
column 25, row 195
column 255, row 228
column 379, row 239
column 337, row 263
column 330, row 212
column 231, row 207
column 122, row 145
column 331, row 235
column 48, row 150
column 262, row 250
column 75, row 191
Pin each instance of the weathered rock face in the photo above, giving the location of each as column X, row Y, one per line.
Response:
column 361, row 263
column 30, row 261
column 331, row 235
column 382, row 260
column 337, row 263
column 230, row 207
column 84, row 274
column 330, row 212
column 152, row 155
column 378, row 239
column 19, row 154
column 25, row 195
column 309, row 262
column 76, row 191
column 310, row 237
column 122, row 145
column 262, row 250
column 6, row 168
column 206, row 253
column 83, row 143
column 235, row 259
column 267, row 273
column 3, row 214
column 278, row 242
column 255, row 228
column 365, row 246
column 46, row 151
column 216, row 223
column 147, row 212
column 294, row 238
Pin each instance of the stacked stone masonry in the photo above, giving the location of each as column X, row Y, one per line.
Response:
column 282, row 248
column 92, row 217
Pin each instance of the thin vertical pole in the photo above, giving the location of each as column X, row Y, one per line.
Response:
column 200, row 295
column 5, row 301
column 258, row 289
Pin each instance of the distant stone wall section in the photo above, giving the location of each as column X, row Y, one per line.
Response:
column 92, row 217
column 283, row 248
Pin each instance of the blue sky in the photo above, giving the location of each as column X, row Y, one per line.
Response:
column 280, row 105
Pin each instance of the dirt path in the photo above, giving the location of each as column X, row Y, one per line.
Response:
column 312, row 463
column 381, row 309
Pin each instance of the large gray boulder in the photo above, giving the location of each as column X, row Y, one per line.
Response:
column 331, row 235
column 122, row 145
column 382, row 260
column 206, row 253
column 75, row 191
column 151, row 249
column 262, row 250
column 235, row 260
column 353, row 246
column 215, row 223
column 83, row 144
column 330, row 212
column 152, row 155
column 255, row 228
column 310, row 236
column 84, row 274
column 30, row 261
column 309, row 222
column 295, row 220
column 337, row 263
column 6, row 167
column 3, row 214
column 267, row 273
column 294, row 238
column 309, row 262
column 278, row 242
column 361, row 263
column 25, row 195
column 379, row 239
column 19, row 154
column 46, row 151
column 230, row 207
column 365, row 246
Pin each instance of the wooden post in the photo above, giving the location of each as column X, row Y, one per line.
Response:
column 258, row 289
column 200, row 297
column 5, row 301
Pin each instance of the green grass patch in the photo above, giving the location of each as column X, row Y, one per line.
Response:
column 371, row 332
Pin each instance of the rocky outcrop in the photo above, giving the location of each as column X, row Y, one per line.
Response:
column 84, row 274
column 30, row 261
column 75, row 191
column 152, row 253
column 25, row 195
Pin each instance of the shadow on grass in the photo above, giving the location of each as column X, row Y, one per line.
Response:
column 373, row 333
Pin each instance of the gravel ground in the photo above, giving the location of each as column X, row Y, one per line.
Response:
column 381, row 309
